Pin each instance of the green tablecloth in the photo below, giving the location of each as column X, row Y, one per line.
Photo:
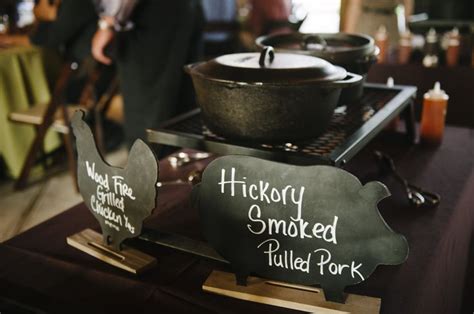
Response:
column 23, row 83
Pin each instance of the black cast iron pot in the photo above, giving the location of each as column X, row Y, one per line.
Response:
column 354, row 52
column 268, row 97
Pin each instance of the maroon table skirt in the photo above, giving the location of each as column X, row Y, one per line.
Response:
column 38, row 268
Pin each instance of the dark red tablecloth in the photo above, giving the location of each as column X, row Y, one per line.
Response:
column 38, row 268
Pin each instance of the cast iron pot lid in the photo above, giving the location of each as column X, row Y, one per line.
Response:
column 270, row 67
column 338, row 48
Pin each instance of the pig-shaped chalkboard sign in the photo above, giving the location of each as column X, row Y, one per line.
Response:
column 299, row 224
column 120, row 199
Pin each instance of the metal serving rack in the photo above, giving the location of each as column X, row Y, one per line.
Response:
column 351, row 128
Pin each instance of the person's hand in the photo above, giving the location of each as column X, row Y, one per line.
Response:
column 101, row 39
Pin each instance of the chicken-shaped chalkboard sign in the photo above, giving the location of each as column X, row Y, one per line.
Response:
column 303, row 225
column 120, row 199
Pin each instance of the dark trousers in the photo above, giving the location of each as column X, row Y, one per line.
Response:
column 150, row 62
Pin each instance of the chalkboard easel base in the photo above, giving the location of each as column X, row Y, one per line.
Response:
column 128, row 259
column 289, row 296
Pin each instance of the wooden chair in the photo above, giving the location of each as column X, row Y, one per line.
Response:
column 56, row 115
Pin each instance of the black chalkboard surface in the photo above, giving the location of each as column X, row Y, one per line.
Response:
column 120, row 199
column 304, row 225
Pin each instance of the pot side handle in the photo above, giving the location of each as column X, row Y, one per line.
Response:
column 365, row 63
column 188, row 68
column 350, row 80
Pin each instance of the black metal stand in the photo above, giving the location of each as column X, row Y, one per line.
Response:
column 410, row 124
column 351, row 128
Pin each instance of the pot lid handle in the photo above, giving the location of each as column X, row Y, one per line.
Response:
column 267, row 50
column 314, row 39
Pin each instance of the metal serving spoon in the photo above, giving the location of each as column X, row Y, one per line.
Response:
column 416, row 195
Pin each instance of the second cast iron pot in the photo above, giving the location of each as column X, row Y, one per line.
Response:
column 354, row 52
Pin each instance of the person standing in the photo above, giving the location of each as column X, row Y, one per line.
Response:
column 66, row 26
column 153, row 40
column 265, row 17
column 269, row 16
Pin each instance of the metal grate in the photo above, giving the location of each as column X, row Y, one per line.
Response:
column 346, row 122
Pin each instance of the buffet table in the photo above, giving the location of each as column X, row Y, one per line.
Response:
column 456, row 81
column 39, row 269
column 24, row 80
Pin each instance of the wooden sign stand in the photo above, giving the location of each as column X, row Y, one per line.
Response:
column 295, row 224
column 119, row 198
column 128, row 259
column 296, row 297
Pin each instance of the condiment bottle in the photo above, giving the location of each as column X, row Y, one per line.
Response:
column 433, row 117
column 431, row 49
column 452, row 53
column 404, row 47
column 381, row 41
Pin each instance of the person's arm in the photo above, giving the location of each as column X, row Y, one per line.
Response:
column 114, row 16
column 118, row 11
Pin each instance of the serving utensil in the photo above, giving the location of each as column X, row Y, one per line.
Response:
column 417, row 196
